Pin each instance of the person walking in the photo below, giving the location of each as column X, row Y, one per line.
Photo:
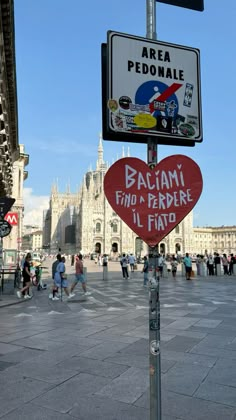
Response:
column 231, row 264
column 61, row 279
column 188, row 266
column 145, row 271
column 27, row 276
column 225, row 264
column 124, row 266
column 210, row 265
column 79, row 275
column 174, row 265
column 131, row 260
column 160, row 264
column 217, row 264
column 53, row 294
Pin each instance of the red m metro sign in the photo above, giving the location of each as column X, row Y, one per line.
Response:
column 12, row 218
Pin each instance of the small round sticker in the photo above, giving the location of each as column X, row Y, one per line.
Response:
column 154, row 348
column 124, row 102
column 145, row 120
column 187, row 130
column 112, row 105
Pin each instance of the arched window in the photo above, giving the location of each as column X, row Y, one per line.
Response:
column 114, row 228
column 98, row 227
column 177, row 229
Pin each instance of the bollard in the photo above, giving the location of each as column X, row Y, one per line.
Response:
column 183, row 270
column 105, row 272
column 234, row 269
column 201, row 269
column 204, row 269
column 165, row 271
column 218, row 269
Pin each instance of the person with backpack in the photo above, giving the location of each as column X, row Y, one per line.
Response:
column 124, row 266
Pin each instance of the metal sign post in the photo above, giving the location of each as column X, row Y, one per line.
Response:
column 154, row 338
column 154, row 301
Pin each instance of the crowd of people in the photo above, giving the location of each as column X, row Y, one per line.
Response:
column 211, row 265
column 59, row 277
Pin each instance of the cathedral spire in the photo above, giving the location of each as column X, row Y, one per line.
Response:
column 68, row 187
column 100, row 153
column 54, row 188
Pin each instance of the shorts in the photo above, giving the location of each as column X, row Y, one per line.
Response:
column 61, row 283
column 79, row 277
column 188, row 269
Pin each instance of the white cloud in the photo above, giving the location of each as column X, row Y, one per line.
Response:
column 34, row 206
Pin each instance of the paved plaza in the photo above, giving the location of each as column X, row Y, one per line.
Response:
column 88, row 358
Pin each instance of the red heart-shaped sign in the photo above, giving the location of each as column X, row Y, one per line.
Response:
column 153, row 202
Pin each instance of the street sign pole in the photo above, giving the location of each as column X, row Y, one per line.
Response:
column 154, row 302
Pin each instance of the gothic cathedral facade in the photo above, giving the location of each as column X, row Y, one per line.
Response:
column 85, row 222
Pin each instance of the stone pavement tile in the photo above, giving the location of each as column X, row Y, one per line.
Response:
column 139, row 332
column 108, row 335
column 165, row 338
column 92, row 366
column 221, row 353
column 202, row 310
column 8, row 348
column 72, row 338
column 188, row 408
column 65, row 396
column 184, row 333
column 19, row 390
column 33, row 412
column 218, row 393
column 183, row 357
column 5, row 365
column 16, row 336
column 20, row 355
column 209, row 323
column 128, row 387
column 184, row 378
column 224, row 373
column 139, row 361
column 141, row 348
column 35, row 342
column 37, row 370
column 52, row 357
column 217, row 341
column 100, row 408
column 179, row 343
column 104, row 350
column 183, row 323
column 88, row 331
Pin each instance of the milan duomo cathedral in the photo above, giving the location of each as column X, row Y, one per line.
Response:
column 85, row 222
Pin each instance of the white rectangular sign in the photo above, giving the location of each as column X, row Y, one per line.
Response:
column 154, row 89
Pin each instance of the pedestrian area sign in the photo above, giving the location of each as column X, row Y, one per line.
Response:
column 153, row 91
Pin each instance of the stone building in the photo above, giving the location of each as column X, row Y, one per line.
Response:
column 84, row 221
column 12, row 155
column 9, row 147
column 14, row 240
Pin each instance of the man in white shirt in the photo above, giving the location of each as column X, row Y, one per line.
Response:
column 131, row 262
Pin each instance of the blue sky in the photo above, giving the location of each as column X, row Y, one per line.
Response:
column 59, row 91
